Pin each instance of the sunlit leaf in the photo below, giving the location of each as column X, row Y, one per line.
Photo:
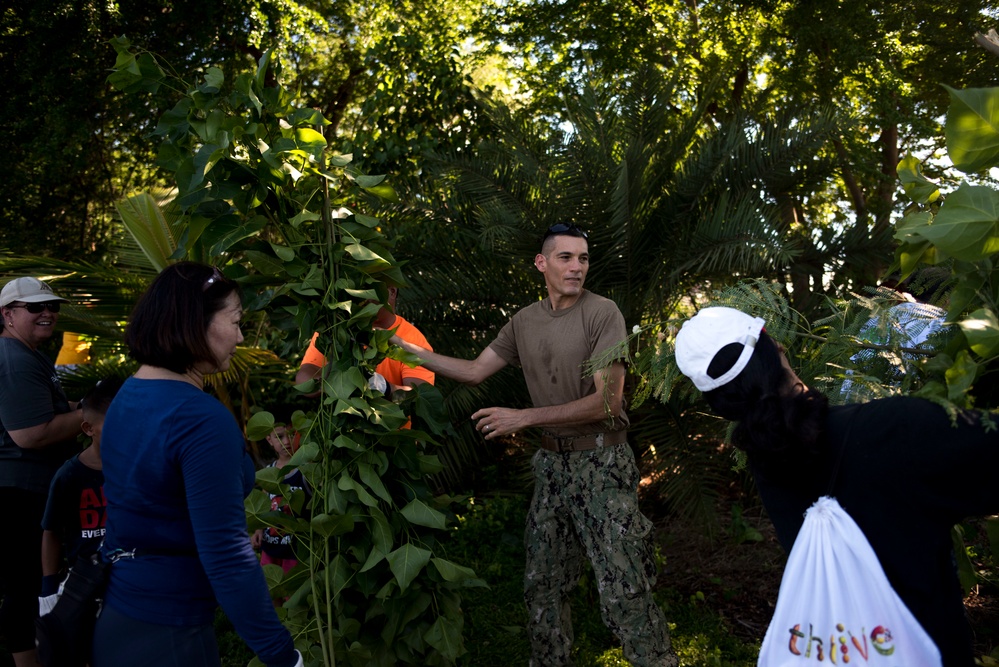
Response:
column 304, row 216
column 346, row 442
column 363, row 254
column 367, row 220
column 981, row 328
column 307, row 116
column 214, row 79
column 368, row 181
column 386, row 192
column 309, row 140
column 967, row 225
column 340, row 160
column 961, row 375
column 144, row 220
column 973, row 128
column 262, row 65
column 917, row 187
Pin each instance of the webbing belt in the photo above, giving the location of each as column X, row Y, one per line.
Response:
column 581, row 443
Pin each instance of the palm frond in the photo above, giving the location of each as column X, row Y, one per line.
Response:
column 143, row 218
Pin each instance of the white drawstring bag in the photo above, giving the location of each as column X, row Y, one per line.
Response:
column 835, row 605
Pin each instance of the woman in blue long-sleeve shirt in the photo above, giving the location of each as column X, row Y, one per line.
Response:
column 176, row 473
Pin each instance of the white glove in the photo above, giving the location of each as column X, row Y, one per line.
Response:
column 301, row 662
column 377, row 382
column 45, row 604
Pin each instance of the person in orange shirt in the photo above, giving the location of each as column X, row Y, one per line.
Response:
column 398, row 375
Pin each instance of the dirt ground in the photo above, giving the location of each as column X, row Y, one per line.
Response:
column 741, row 580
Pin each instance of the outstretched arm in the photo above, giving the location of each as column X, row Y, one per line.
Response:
column 311, row 371
column 470, row 372
column 604, row 403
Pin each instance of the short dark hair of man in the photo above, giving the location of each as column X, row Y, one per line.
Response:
column 169, row 324
column 560, row 229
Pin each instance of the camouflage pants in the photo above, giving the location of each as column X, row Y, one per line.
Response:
column 585, row 505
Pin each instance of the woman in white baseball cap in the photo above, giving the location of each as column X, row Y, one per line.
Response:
column 898, row 466
column 38, row 429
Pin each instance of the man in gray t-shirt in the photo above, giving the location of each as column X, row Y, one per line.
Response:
column 585, row 504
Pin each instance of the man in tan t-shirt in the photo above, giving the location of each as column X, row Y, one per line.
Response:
column 585, row 503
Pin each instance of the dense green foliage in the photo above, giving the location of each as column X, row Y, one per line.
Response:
column 260, row 194
column 396, row 82
column 959, row 230
column 389, row 80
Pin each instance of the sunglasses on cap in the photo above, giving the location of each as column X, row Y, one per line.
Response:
column 564, row 228
column 35, row 308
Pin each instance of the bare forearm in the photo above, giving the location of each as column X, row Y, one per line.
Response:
column 586, row 410
column 601, row 406
column 60, row 428
column 50, row 553
column 461, row 370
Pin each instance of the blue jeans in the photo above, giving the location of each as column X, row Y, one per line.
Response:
column 120, row 641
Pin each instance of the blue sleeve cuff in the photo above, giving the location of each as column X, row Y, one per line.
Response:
column 50, row 585
column 294, row 659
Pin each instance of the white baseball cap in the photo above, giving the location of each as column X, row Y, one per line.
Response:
column 28, row 290
column 703, row 335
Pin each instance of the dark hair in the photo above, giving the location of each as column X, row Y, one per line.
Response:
column 282, row 413
column 772, row 422
column 561, row 229
column 98, row 399
column 169, row 323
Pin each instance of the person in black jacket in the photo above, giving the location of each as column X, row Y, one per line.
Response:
column 899, row 466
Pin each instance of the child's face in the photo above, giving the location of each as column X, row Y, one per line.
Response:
column 92, row 424
column 280, row 440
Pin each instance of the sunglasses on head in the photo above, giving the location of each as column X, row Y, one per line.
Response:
column 564, row 228
column 216, row 277
column 35, row 308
